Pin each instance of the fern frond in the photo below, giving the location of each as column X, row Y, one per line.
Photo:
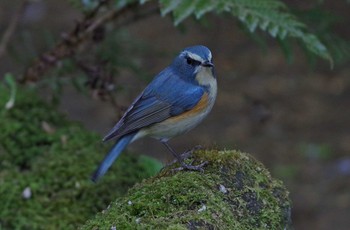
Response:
column 338, row 47
column 271, row 16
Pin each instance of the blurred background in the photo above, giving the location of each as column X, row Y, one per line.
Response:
column 289, row 110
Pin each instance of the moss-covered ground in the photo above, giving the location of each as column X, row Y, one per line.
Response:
column 234, row 192
column 45, row 167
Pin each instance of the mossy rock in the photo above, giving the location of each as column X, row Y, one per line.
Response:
column 234, row 192
column 45, row 166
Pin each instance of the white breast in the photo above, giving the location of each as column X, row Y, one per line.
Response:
column 205, row 78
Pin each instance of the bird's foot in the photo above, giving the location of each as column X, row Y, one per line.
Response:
column 182, row 157
column 185, row 155
column 195, row 148
column 189, row 152
column 190, row 167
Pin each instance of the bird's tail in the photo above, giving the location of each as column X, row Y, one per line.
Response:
column 111, row 156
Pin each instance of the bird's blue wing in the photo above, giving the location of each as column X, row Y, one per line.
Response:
column 166, row 96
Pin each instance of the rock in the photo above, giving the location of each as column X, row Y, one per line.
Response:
column 234, row 192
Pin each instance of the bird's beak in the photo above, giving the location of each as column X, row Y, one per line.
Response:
column 207, row 64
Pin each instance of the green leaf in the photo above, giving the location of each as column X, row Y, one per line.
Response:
column 317, row 47
column 183, row 10
column 286, row 48
column 252, row 23
column 273, row 30
column 204, row 6
column 167, row 6
column 271, row 16
column 282, row 33
column 10, row 80
column 338, row 47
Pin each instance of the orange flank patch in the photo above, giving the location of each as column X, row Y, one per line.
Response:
column 200, row 107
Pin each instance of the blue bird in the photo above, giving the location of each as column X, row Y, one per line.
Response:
column 176, row 101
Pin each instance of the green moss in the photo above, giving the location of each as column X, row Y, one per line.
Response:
column 21, row 128
column 234, row 192
column 55, row 166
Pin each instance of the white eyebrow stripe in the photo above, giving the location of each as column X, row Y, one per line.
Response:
column 209, row 56
column 195, row 57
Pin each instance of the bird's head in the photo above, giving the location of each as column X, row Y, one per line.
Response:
column 195, row 63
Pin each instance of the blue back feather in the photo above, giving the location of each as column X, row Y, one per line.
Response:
column 166, row 96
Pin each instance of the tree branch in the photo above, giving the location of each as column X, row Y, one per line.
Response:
column 81, row 34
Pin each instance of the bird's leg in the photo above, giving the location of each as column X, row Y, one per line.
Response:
column 189, row 152
column 181, row 157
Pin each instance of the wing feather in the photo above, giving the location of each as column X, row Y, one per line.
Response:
column 166, row 96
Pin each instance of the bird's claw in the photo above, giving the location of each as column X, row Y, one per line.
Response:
column 182, row 157
column 189, row 152
column 190, row 167
column 195, row 148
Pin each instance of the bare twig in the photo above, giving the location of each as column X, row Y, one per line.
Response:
column 82, row 34
column 11, row 28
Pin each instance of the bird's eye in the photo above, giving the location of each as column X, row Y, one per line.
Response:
column 192, row 62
